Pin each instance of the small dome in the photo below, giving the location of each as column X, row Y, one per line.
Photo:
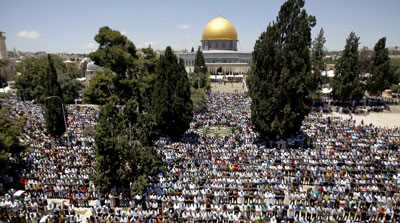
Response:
column 92, row 66
column 219, row 29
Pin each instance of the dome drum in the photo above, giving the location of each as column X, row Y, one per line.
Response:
column 219, row 45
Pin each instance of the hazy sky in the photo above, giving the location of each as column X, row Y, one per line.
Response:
column 69, row 26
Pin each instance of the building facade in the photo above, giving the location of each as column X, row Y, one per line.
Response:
column 219, row 45
column 3, row 48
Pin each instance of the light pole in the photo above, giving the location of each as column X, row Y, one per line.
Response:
column 62, row 105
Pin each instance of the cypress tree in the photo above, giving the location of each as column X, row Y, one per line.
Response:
column 171, row 103
column 200, row 78
column 279, row 83
column 346, row 85
column 381, row 73
column 318, row 53
column 199, row 63
column 53, row 108
column 108, row 160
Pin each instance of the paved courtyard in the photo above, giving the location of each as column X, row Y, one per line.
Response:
column 228, row 87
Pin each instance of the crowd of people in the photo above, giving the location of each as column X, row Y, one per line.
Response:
column 54, row 168
column 342, row 172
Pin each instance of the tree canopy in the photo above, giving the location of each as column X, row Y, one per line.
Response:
column 280, row 80
column 54, row 115
column 318, row 53
column 100, row 89
column 30, row 84
column 346, row 85
column 381, row 76
column 10, row 129
column 171, row 103
column 121, row 158
column 117, row 53
column 200, row 78
column 365, row 62
column 127, row 123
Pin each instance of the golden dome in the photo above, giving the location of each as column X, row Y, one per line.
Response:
column 219, row 29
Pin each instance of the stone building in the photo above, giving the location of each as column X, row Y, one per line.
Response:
column 3, row 48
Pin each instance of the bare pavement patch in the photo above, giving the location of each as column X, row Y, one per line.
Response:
column 387, row 119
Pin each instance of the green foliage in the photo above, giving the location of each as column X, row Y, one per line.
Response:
column 395, row 67
column 5, row 95
column 10, row 129
column 199, row 62
column 198, row 97
column 318, row 54
column 280, row 81
column 395, row 88
column 133, row 73
column 146, row 128
column 171, row 102
column 395, row 62
column 200, row 78
column 53, row 108
column 366, row 60
column 347, row 83
column 30, row 84
column 108, row 159
column 117, row 53
column 149, row 59
column 99, row 90
column 146, row 69
column 381, row 76
column 70, row 88
column 121, row 157
column 126, row 125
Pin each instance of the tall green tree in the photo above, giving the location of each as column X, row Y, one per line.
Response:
column 200, row 78
column 171, row 101
column 53, row 108
column 279, row 80
column 199, row 62
column 346, row 85
column 127, row 125
column 381, row 76
column 318, row 53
